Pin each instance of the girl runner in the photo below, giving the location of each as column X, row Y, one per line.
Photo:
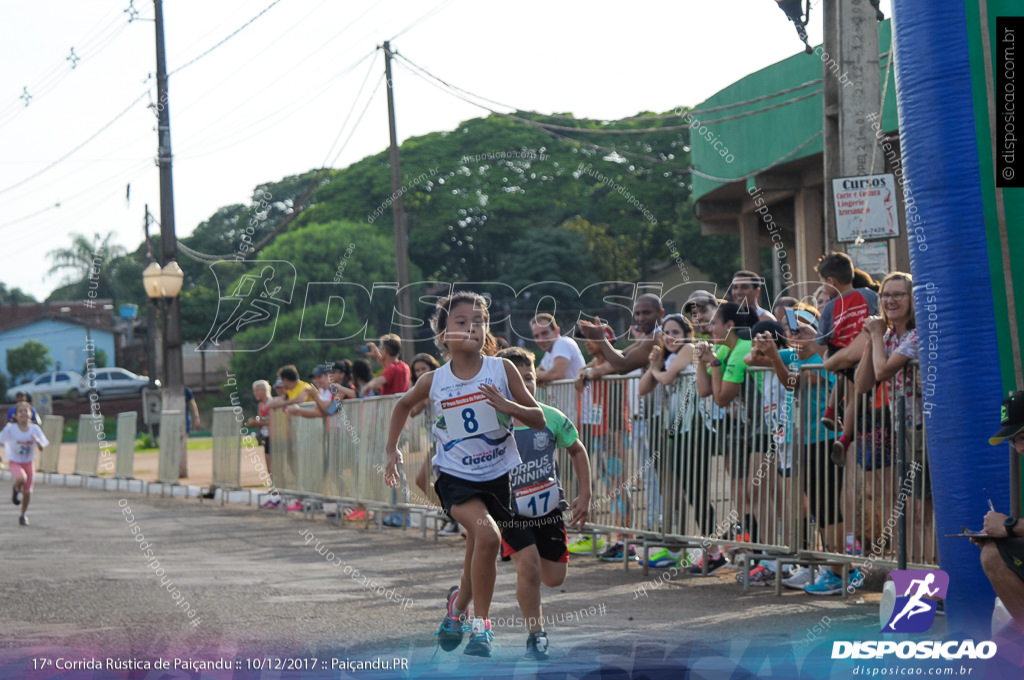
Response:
column 475, row 396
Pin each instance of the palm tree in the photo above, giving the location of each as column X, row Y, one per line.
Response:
column 86, row 260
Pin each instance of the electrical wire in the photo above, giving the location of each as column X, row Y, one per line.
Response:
column 423, row 18
column 224, row 40
column 355, row 126
column 689, row 170
column 567, row 128
column 243, row 135
column 70, row 153
column 87, row 48
column 352, row 109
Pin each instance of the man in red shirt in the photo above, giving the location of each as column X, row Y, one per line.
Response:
column 394, row 379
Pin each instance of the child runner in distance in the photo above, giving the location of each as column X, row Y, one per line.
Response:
column 475, row 396
column 535, row 539
column 20, row 440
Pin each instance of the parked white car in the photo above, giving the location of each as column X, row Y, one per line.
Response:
column 58, row 383
column 113, row 381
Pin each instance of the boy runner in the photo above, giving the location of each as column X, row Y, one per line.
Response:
column 535, row 538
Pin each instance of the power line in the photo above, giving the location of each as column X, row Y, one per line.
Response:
column 229, row 37
column 423, row 18
column 358, row 120
column 669, row 128
column 69, row 153
column 30, row 216
column 690, row 170
column 240, row 133
column 59, row 72
column 355, row 99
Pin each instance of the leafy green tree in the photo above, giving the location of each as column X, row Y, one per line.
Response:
column 340, row 268
column 13, row 295
column 86, row 265
column 28, row 359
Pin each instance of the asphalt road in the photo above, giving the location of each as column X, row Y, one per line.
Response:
column 238, row 583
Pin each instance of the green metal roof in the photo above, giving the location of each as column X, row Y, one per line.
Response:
column 779, row 130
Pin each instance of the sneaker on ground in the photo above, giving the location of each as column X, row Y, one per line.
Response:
column 450, row 528
column 537, row 645
column 827, row 583
column 839, row 453
column 480, row 639
column 449, row 635
column 23, row 520
column 665, row 559
column 615, row 553
column 584, row 545
column 759, row 576
column 294, row 506
column 356, row 515
column 799, row 578
column 714, row 564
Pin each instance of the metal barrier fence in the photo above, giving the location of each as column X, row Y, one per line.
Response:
column 172, row 438
column 673, row 468
column 227, row 449
column 126, row 431
column 53, row 428
column 87, row 452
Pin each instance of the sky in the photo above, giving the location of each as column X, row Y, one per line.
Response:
column 291, row 91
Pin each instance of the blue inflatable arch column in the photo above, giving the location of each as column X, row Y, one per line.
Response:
column 953, row 289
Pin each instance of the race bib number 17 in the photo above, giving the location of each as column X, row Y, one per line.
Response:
column 469, row 415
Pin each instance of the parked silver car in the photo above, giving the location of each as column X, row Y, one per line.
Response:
column 58, row 383
column 112, row 381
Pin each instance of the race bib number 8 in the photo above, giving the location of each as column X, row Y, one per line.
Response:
column 538, row 499
column 469, row 416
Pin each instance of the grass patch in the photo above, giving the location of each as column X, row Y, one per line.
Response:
column 194, row 444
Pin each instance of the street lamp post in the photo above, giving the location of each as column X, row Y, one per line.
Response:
column 163, row 284
column 174, row 387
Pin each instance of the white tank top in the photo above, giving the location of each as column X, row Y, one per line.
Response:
column 474, row 441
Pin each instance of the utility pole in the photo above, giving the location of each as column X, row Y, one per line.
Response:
column 151, row 359
column 174, row 388
column 851, row 39
column 398, row 216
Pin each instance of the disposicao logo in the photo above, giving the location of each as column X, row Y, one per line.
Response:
column 913, row 613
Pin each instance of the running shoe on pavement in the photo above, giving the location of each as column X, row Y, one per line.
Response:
column 615, row 552
column 23, row 520
column 480, row 639
column 537, row 645
column 714, row 564
column 759, row 576
column 356, row 515
column 799, row 578
column 666, row 559
column 584, row 545
column 828, row 583
column 449, row 635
